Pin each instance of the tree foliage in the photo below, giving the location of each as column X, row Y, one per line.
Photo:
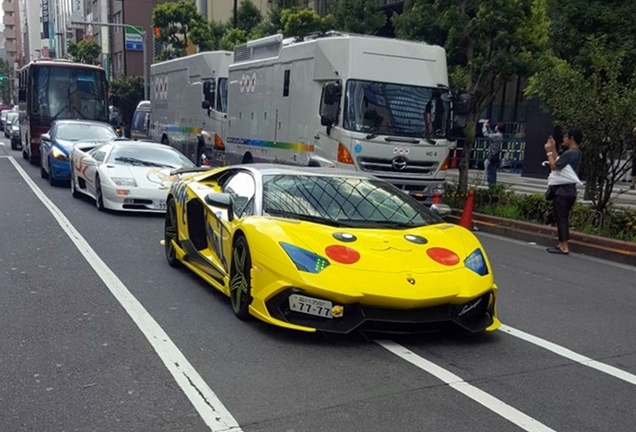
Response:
column 248, row 17
column 126, row 93
column 86, row 51
column 175, row 21
column 359, row 16
column 598, row 100
column 487, row 43
column 5, row 84
column 575, row 21
column 300, row 22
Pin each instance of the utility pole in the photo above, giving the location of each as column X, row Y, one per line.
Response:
column 144, row 39
column 235, row 13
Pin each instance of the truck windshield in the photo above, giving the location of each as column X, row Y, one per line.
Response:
column 396, row 109
column 68, row 93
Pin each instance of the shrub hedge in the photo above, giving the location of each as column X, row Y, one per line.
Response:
column 616, row 223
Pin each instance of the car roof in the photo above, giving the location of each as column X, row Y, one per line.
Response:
column 267, row 169
column 75, row 121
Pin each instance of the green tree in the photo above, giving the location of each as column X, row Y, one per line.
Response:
column 233, row 37
column 207, row 35
column 175, row 19
column 300, row 22
column 248, row 17
column 86, row 51
column 5, row 83
column 359, row 16
column 126, row 93
column 573, row 22
column 597, row 99
column 487, row 43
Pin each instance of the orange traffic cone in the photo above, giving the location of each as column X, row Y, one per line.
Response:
column 467, row 214
column 437, row 197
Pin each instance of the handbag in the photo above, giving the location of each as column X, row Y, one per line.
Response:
column 563, row 176
column 550, row 192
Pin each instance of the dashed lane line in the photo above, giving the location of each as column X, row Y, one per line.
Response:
column 495, row 405
column 570, row 355
column 204, row 400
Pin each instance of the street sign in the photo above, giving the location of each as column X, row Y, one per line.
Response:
column 134, row 41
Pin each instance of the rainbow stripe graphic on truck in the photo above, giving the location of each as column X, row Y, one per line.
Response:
column 299, row 147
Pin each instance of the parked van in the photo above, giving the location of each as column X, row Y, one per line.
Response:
column 140, row 126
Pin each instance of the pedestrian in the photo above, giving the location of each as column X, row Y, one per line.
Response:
column 492, row 160
column 565, row 194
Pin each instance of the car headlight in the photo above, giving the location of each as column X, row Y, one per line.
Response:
column 58, row 154
column 477, row 262
column 123, row 181
column 305, row 260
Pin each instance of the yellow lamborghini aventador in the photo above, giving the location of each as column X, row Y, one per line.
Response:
column 317, row 249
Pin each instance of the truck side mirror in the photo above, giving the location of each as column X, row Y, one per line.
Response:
column 331, row 93
column 209, row 88
column 463, row 104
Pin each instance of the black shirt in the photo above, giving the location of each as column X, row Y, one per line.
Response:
column 573, row 158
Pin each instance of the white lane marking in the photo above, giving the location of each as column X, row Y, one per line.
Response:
column 492, row 403
column 569, row 354
column 207, row 404
column 1, row 143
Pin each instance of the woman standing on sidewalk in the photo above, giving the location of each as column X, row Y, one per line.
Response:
column 491, row 164
column 565, row 194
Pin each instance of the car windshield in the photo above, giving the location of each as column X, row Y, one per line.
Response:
column 135, row 154
column 69, row 92
column 84, row 131
column 396, row 109
column 343, row 201
column 11, row 116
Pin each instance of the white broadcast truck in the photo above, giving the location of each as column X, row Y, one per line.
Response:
column 348, row 101
column 189, row 102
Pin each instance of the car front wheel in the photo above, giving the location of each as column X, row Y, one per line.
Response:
column 240, row 278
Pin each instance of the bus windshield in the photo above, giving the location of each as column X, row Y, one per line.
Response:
column 60, row 92
column 396, row 109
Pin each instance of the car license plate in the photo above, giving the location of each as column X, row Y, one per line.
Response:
column 161, row 205
column 310, row 305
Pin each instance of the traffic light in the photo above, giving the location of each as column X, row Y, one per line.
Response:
column 2, row 78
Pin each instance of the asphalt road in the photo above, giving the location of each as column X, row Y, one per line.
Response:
column 76, row 356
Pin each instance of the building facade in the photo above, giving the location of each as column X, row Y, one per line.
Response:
column 12, row 35
column 126, row 43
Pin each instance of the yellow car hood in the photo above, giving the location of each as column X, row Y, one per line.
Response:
column 382, row 250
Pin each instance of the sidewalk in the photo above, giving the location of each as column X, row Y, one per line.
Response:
column 622, row 196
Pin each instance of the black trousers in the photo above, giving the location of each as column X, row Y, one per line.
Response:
column 561, row 209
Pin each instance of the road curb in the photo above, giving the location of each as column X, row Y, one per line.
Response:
column 600, row 247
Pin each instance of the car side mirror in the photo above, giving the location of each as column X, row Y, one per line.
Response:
column 222, row 201
column 441, row 210
column 45, row 137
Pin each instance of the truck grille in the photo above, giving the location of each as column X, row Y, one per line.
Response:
column 383, row 165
